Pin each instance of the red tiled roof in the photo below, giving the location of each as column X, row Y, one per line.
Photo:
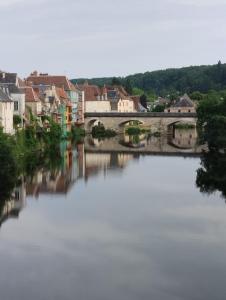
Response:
column 30, row 94
column 91, row 92
column 59, row 81
column 61, row 93
column 136, row 100
column 63, row 96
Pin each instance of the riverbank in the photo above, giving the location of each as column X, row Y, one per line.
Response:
column 29, row 148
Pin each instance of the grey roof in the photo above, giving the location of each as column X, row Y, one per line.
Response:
column 4, row 97
column 141, row 108
column 184, row 101
column 11, row 87
column 8, row 77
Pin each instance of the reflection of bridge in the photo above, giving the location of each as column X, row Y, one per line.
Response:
column 155, row 145
column 157, row 121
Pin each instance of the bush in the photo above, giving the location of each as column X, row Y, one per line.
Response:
column 100, row 131
column 16, row 121
column 185, row 126
column 133, row 131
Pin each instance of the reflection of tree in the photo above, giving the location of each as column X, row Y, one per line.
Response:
column 212, row 176
column 7, row 171
column 212, row 120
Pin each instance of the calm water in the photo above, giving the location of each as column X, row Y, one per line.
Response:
column 123, row 224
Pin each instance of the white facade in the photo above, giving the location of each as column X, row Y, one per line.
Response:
column 19, row 104
column 6, row 116
column 97, row 106
column 36, row 107
column 126, row 105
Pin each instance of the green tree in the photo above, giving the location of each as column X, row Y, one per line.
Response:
column 143, row 100
column 128, row 87
column 16, row 120
column 116, row 81
column 196, row 96
column 158, row 108
column 8, row 171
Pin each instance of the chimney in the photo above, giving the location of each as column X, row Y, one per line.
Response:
column 35, row 73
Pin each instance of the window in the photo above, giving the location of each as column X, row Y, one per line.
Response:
column 16, row 106
column 179, row 110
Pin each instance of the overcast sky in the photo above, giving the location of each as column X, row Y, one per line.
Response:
column 93, row 38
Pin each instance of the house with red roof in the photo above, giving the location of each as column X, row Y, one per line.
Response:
column 107, row 99
column 32, row 101
column 61, row 81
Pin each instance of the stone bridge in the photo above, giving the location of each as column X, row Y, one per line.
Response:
column 155, row 121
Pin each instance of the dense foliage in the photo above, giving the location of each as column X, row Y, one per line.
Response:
column 212, row 122
column 22, row 153
column 99, row 131
column 172, row 81
column 8, row 166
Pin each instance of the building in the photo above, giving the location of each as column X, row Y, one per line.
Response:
column 6, row 112
column 120, row 100
column 49, row 98
column 183, row 105
column 107, row 99
column 14, row 84
column 32, row 101
column 137, row 105
column 74, row 95
column 64, row 115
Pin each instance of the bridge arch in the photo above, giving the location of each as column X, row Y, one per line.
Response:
column 132, row 122
column 182, row 121
column 92, row 123
column 171, row 125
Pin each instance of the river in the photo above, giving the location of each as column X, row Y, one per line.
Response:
column 120, row 219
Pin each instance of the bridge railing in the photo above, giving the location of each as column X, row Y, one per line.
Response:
column 140, row 114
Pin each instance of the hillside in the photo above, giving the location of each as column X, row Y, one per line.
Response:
column 169, row 81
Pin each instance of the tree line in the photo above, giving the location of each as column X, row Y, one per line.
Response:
column 170, row 81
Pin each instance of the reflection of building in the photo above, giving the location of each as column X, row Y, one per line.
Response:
column 59, row 180
column 105, row 162
column 184, row 138
column 12, row 207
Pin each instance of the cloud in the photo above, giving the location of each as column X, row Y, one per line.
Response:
column 10, row 2
column 200, row 2
column 103, row 37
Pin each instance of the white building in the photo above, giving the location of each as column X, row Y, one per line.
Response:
column 97, row 106
column 11, row 83
column 6, row 113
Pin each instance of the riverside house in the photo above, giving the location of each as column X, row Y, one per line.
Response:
column 6, row 112
column 64, row 115
column 60, row 81
column 106, row 99
column 14, row 84
column 33, row 103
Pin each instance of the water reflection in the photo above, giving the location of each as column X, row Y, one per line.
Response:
column 146, row 233
column 211, row 176
column 182, row 141
column 11, row 207
column 82, row 161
